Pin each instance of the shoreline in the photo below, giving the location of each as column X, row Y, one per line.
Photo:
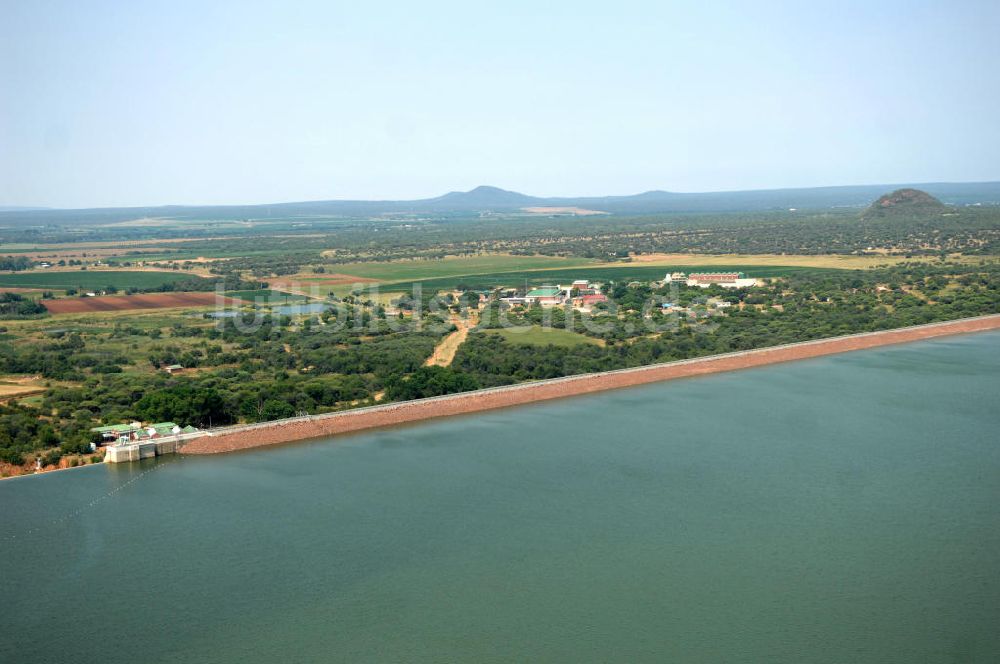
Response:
column 49, row 471
column 242, row 437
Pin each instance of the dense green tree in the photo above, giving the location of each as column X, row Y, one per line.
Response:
column 429, row 382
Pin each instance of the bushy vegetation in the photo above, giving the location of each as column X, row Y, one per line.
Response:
column 429, row 382
column 24, row 429
column 237, row 370
column 15, row 263
column 13, row 305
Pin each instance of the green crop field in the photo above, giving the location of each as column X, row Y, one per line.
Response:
column 536, row 335
column 594, row 273
column 95, row 279
column 448, row 267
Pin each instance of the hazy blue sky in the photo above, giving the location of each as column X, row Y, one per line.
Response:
column 134, row 103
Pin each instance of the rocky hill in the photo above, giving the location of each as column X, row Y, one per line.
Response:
column 905, row 203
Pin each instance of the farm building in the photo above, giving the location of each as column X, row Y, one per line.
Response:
column 546, row 296
column 152, row 441
column 706, row 279
column 590, row 300
column 126, row 433
column 120, row 433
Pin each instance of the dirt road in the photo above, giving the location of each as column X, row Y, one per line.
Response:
column 444, row 353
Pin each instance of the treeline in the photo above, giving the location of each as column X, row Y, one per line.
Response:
column 263, row 266
column 227, row 280
column 13, row 305
column 15, row 263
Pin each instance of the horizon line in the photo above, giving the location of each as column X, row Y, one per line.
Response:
column 13, row 208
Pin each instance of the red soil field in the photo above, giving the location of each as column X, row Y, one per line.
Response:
column 79, row 305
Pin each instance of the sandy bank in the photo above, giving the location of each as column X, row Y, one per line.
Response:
column 301, row 428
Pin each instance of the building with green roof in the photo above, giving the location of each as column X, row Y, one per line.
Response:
column 124, row 433
column 544, row 291
column 546, row 295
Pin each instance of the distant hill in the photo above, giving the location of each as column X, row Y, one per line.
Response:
column 905, row 203
column 487, row 199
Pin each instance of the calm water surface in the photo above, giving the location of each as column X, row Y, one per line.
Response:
column 844, row 509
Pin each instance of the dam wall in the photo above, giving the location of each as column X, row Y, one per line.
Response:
column 136, row 451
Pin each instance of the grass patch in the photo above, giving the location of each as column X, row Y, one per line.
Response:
column 536, row 335
column 34, row 401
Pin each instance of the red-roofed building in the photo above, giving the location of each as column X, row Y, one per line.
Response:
column 591, row 300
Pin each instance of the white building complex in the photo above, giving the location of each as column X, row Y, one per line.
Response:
column 706, row 279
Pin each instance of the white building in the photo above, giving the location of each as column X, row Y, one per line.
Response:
column 724, row 279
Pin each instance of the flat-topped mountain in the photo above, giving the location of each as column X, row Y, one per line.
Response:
column 905, row 202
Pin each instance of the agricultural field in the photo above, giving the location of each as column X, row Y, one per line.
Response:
column 536, row 335
column 833, row 261
column 93, row 279
column 600, row 273
column 487, row 271
column 320, row 286
column 351, row 275
column 131, row 302
column 453, row 266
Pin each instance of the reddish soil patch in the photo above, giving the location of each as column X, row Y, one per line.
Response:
column 283, row 431
column 127, row 302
